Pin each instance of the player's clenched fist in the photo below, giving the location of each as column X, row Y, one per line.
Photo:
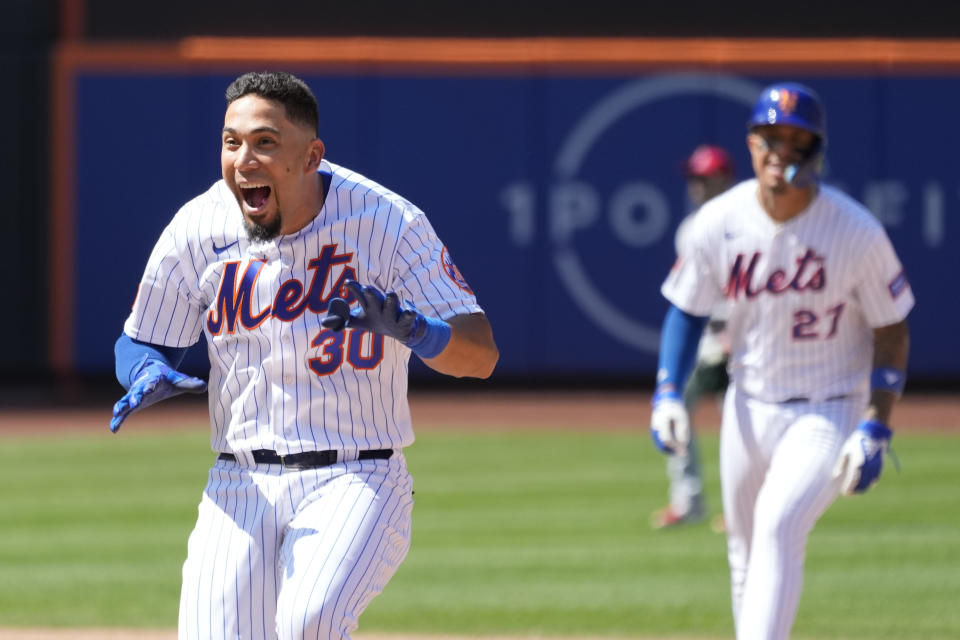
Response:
column 386, row 315
column 861, row 458
column 669, row 422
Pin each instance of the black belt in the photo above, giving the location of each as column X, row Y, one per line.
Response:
column 308, row 459
column 805, row 399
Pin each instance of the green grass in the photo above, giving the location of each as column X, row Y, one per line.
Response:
column 94, row 528
column 514, row 533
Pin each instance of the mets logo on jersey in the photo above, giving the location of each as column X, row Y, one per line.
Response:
column 745, row 279
column 452, row 272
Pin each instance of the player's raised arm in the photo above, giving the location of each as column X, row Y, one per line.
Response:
column 461, row 346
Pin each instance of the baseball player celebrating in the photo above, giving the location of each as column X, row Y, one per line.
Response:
column 817, row 321
column 709, row 172
column 312, row 285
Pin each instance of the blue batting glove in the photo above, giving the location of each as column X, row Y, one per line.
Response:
column 155, row 381
column 861, row 459
column 669, row 422
column 384, row 314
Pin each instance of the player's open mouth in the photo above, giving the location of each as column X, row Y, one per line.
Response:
column 775, row 169
column 255, row 195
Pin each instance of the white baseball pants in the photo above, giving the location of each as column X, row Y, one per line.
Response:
column 776, row 472
column 284, row 554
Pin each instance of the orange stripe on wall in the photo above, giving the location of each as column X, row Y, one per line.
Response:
column 822, row 55
column 62, row 238
column 73, row 16
column 711, row 52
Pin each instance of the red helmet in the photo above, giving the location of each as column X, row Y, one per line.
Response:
column 708, row 160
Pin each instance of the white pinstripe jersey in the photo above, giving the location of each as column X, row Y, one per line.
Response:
column 278, row 380
column 803, row 295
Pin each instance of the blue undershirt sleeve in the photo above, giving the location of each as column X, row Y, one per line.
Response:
column 130, row 355
column 679, row 340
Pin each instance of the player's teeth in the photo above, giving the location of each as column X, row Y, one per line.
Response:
column 256, row 196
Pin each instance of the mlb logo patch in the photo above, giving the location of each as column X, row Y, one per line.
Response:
column 898, row 285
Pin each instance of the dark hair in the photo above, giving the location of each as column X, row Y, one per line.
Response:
column 278, row 86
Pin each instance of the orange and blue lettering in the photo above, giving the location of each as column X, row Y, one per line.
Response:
column 235, row 301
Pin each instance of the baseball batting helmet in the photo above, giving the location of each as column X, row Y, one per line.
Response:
column 797, row 105
column 790, row 103
column 708, row 160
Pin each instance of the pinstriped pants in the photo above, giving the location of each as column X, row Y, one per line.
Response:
column 284, row 554
column 776, row 473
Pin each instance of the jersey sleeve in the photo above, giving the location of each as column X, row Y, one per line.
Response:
column 424, row 273
column 884, row 291
column 691, row 284
column 167, row 310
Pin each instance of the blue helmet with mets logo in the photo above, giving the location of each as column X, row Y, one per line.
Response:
column 790, row 103
column 798, row 105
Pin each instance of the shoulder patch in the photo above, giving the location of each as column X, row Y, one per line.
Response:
column 898, row 285
column 452, row 272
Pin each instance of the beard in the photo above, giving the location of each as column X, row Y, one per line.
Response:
column 260, row 233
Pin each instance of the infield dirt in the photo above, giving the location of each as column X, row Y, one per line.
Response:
column 469, row 410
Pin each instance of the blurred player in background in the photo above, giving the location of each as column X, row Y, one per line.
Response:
column 709, row 172
column 817, row 305
column 307, row 510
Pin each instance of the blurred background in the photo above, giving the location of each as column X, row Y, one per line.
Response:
column 545, row 141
